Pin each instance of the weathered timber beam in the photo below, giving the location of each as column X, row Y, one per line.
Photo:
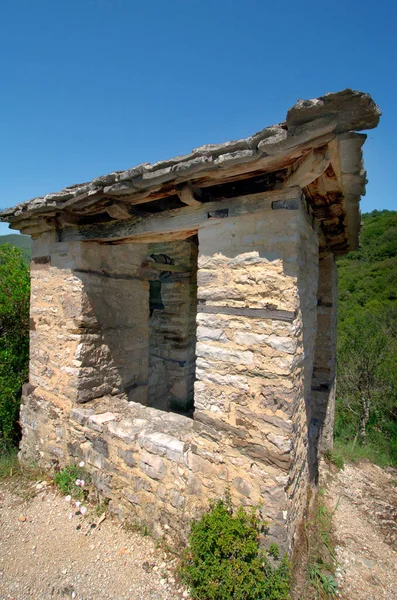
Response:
column 118, row 211
column 177, row 221
column 163, row 267
column 186, row 195
column 310, row 168
column 255, row 313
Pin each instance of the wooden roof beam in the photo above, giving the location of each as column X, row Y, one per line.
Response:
column 188, row 195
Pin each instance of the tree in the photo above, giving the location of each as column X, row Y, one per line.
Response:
column 14, row 339
column 367, row 365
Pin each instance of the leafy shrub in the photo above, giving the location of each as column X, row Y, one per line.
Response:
column 66, row 479
column 321, row 557
column 14, row 340
column 336, row 459
column 8, row 463
column 223, row 560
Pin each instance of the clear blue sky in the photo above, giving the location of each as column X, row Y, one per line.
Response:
column 91, row 86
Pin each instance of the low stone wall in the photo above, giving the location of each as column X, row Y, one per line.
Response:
column 160, row 469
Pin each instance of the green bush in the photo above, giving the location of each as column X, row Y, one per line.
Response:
column 223, row 560
column 66, row 479
column 335, row 458
column 14, row 340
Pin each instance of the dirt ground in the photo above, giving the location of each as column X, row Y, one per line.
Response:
column 47, row 551
column 364, row 501
column 45, row 554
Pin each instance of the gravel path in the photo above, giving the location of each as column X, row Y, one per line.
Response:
column 364, row 499
column 46, row 554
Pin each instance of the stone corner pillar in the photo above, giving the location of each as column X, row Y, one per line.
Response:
column 89, row 334
column 257, row 296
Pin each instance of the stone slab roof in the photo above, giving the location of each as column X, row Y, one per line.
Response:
column 310, row 125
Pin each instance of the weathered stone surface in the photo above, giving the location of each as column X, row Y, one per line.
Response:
column 131, row 497
column 134, row 172
column 81, row 415
column 93, row 458
column 153, row 466
column 162, row 444
column 96, row 422
column 232, row 158
column 127, row 456
column 242, row 486
column 226, row 355
column 192, row 166
column 177, row 500
column 353, row 109
column 124, row 430
column 124, row 188
column 151, row 178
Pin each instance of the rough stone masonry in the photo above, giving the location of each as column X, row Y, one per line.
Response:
column 183, row 319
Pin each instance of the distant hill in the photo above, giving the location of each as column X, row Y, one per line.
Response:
column 368, row 276
column 23, row 242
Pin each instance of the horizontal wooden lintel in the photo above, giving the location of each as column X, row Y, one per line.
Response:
column 256, row 313
column 177, row 222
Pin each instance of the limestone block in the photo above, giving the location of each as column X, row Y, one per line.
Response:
column 153, row 466
column 281, row 442
column 127, row 456
column 263, row 454
column 242, row 486
column 193, row 485
column 142, row 484
column 228, row 355
column 96, row 422
column 131, row 497
column 93, row 458
column 211, row 335
column 239, row 382
column 124, row 429
column 162, row 444
column 56, row 451
column 101, row 446
column 176, row 499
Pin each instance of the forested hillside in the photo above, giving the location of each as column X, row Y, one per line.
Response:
column 23, row 242
column 366, row 418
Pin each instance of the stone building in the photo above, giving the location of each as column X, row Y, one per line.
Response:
column 183, row 319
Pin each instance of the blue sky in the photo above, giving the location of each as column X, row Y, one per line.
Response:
column 91, row 86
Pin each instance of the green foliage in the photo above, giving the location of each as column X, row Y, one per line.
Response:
column 14, row 339
column 66, row 479
column 102, row 507
column 8, row 463
column 23, row 242
column 334, row 458
column 366, row 410
column 321, row 560
column 224, row 562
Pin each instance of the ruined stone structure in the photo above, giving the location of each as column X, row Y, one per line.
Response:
column 183, row 319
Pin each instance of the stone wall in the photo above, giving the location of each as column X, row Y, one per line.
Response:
column 89, row 315
column 172, row 330
column 256, row 332
column 254, row 374
column 324, row 371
